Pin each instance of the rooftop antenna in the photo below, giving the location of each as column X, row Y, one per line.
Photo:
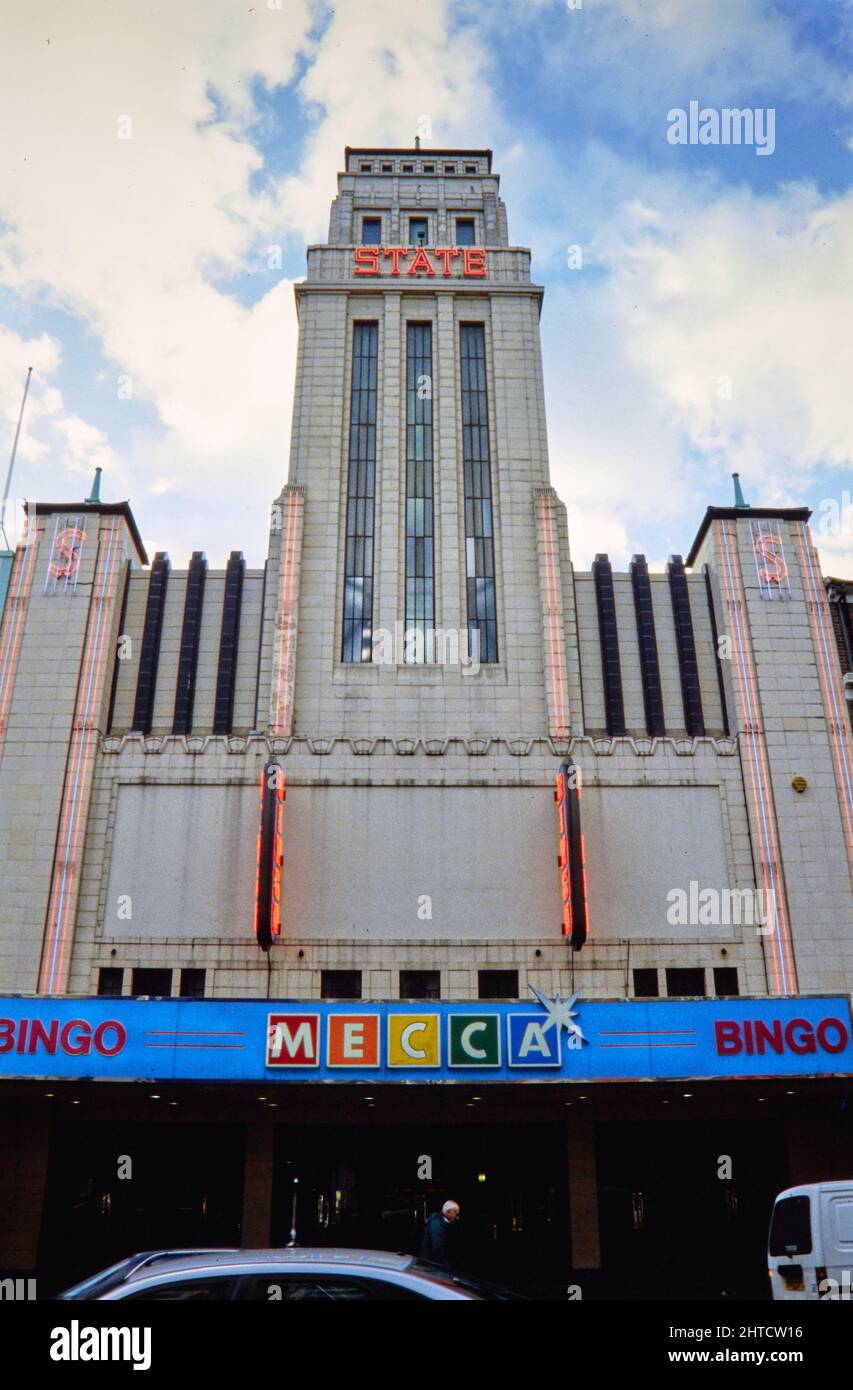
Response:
column 739, row 502
column 8, row 487
column 417, row 142
column 96, row 487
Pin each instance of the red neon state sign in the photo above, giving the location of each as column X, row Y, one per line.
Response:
column 368, row 260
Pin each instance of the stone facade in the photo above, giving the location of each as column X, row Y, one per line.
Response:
column 419, row 828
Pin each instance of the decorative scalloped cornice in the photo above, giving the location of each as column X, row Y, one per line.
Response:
column 198, row 744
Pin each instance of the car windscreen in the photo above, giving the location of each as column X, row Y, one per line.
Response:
column 791, row 1227
column 480, row 1287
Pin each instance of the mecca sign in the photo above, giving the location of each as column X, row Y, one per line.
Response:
column 544, row 1039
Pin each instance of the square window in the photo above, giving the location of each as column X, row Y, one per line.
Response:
column 725, row 981
column 418, row 231
column 387, row 168
column 464, row 231
column 685, row 983
column 470, row 168
column 497, row 984
column 420, row 984
column 366, row 167
column 156, row 982
column 371, row 231
column 192, row 984
column 450, row 168
column 429, row 168
column 110, row 980
column 340, row 984
column 646, row 984
column 408, row 168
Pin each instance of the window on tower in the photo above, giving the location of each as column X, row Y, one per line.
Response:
column 420, row 590
column 357, row 644
column 464, row 231
column 479, row 539
column 371, row 231
column 418, row 231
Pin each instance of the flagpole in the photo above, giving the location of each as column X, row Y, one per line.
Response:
column 8, row 486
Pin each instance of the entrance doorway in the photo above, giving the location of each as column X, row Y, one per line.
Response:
column 182, row 1186
column 374, row 1186
column 672, row 1224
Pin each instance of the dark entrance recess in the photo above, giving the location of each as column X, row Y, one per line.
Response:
column 359, row 1186
column 669, row 1226
column 186, row 1189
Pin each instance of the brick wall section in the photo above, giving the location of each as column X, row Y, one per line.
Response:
column 26, row 1140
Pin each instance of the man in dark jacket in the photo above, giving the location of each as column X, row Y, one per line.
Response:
column 439, row 1242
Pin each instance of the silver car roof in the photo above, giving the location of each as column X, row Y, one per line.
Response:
column 299, row 1255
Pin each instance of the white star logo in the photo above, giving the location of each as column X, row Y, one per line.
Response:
column 561, row 1013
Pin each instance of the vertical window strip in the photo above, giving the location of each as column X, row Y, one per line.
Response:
column 694, row 719
column 361, row 490
column 149, row 652
column 611, row 666
column 117, row 658
column 420, row 571
column 716, row 640
column 479, row 535
column 649, row 665
column 229, row 643
column 842, row 626
column 190, row 635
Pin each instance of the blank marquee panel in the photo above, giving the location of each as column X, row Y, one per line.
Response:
column 359, row 861
column 643, row 842
column 187, row 858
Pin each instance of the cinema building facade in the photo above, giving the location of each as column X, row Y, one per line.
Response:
column 418, row 863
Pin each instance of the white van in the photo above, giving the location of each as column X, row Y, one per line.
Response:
column 810, row 1248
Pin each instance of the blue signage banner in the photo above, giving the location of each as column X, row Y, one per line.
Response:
column 550, row 1039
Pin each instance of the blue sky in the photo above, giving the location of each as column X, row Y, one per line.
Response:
column 707, row 328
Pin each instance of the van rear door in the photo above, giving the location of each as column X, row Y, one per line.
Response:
column 792, row 1257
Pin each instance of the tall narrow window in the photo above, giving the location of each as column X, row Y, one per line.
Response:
column 358, row 560
column 420, row 593
column 418, row 231
column 479, row 539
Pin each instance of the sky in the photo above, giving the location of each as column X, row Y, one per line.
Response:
column 163, row 166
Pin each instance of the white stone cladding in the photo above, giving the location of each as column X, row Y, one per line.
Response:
column 424, row 734
column 815, row 860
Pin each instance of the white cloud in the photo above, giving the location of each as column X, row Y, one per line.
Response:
column 739, row 315
column 376, row 74
column 707, row 333
column 123, row 233
column 126, row 234
column 637, row 58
